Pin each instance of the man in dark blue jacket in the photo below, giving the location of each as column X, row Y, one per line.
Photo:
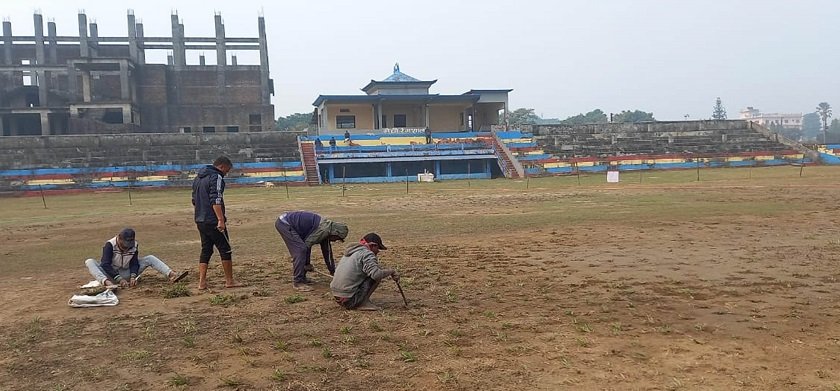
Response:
column 208, row 199
column 300, row 231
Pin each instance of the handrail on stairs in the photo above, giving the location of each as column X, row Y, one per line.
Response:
column 517, row 166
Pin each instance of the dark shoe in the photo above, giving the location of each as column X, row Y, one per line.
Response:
column 180, row 276
column 309, row 268
column 301, row 287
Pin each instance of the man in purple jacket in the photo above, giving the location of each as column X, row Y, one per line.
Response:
column 300, row 231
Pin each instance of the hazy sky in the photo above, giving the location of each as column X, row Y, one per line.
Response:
column 671, row 57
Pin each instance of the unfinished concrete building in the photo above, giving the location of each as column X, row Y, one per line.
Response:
column 84, row 84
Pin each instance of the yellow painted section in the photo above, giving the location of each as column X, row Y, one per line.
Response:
column 557, row 165
column 111, row 179
column 50, row 182
column 585, row 164
column 517, row 140
column 151, row 178
column 273, row 173
column 764, row 157
column 537, row 152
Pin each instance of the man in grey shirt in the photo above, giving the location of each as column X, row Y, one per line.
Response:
column 358, row 274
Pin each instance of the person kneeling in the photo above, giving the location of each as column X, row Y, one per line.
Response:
column 358, row 274
column 120, row 263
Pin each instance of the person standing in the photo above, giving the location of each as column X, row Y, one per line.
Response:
column 300, row 231
column 428, row 133
column 208, row 200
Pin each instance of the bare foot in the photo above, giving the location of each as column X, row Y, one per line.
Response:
column 202, row 287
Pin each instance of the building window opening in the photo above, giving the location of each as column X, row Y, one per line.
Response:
column 208, row 129
column 399, row 120
column 232, row 129
column 345, row 121
column 112, row 116
column 186, row 129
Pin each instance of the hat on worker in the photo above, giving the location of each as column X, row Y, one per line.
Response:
column 374, row 238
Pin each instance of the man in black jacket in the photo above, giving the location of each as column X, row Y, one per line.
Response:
column 208, row 199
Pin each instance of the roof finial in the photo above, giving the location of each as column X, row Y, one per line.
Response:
column 396, row 67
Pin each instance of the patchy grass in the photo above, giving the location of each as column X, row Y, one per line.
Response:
column 179, row 381
column 176, row 290
column 294, row 299
column 224, row 300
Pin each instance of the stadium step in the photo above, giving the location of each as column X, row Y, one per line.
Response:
column 310, row 163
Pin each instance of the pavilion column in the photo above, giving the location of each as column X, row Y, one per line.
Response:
column 45, row 123
column 379, row 115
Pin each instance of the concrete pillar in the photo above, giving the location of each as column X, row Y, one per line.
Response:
column 52, row 55
column 170, row 60
column 379, row 115
column 266, row 96
column 373, row 114
column 125, row 92
column 132, row 36
column 507, row 120
column 141, row 52
column 221, row 50
column 86, row 86
column 94, row 40
column 45, row 123
column 425, row 115
column 233, row 60
column 221, row 60
column 2, row 129
column 201, row 60
column 437, row 168
column 126, row 113
column 7, row 42
column 39, row 39
column 40, row 77
column 72, row 82
column 84, row 50
column 178, row 51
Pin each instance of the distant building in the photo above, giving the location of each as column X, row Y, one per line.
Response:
column 52, row 85
column 403, row 104
column 787, row 120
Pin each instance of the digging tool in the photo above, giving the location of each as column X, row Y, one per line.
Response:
column 401, row 293
column 332, row 258
column 323, row 274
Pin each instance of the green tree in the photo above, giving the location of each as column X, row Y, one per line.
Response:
column 835, row 126
column 824, row 111
column 719, row 111
column 593, row 117
column 627, row 116
column 294, row 122
column 811, row 125
column 523, row 116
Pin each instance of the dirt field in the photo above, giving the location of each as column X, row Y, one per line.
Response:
column 668, row 284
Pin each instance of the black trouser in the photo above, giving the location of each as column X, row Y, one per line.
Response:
column 211, row 236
